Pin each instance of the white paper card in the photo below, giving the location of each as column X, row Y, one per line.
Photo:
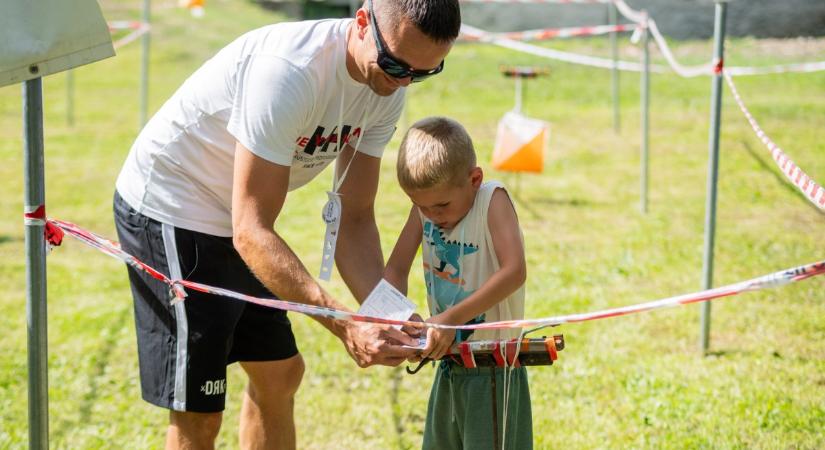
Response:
column 387, row 302
column 422, row 343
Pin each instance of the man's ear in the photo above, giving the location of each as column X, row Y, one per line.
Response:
column 362, row 21
column 476, row 176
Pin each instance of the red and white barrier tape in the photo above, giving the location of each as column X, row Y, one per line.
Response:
column 813, row 191
column 559, row 33
column 805, row 67
column 550, row 53
column 141, row 29
column 710, row 68
column 116, row 25
column 510, row 40
column 768, row 281
column 34, row 215
column 642, row 19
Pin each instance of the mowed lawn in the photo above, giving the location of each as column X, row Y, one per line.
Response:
column 631, row 382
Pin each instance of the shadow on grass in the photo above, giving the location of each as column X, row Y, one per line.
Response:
column 533, row 205
column 780, row 178
column 4, row 239
column 736, row 352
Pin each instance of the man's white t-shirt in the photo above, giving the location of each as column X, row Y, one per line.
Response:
column 283, row 91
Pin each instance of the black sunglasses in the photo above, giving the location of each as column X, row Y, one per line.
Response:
column 392, row 66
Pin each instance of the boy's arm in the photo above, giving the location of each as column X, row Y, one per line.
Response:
column 512, row 273
column 398, row 266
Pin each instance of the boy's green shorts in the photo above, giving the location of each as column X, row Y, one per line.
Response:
column 460, row 411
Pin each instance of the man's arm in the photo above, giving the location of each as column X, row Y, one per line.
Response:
column 258, row 194
column 358, row 252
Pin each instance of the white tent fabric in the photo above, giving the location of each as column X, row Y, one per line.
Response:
column 42, row 37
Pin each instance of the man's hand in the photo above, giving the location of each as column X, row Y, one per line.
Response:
column 373, row 344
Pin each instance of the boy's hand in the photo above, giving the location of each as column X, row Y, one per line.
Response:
column 439, row 341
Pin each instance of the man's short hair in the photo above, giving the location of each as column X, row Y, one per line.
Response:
column 440, row 20
column 435, row 150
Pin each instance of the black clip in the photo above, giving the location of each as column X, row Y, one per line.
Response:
column 420, row 365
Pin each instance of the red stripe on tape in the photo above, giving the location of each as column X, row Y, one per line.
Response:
column 38, row 213
column 467, row 356
column 497, row 355
column 511, row 354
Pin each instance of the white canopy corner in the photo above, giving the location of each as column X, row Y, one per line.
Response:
column 42, row 37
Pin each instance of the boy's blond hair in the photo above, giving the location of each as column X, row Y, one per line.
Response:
column 435, row 150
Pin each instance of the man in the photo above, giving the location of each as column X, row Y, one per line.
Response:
column 205, row 181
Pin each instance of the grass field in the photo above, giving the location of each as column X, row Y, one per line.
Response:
column 632, row 382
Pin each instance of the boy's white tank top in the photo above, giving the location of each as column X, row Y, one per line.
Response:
column 458, row 261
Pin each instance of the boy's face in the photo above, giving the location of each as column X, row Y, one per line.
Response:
column 448, row 203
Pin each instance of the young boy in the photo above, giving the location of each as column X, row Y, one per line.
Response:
column 474, row 269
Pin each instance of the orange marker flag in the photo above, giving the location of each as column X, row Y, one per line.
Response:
column 194, row 6
column 520, row 143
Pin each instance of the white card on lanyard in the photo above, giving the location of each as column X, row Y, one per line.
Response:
column 332, row 217
column 332, row 209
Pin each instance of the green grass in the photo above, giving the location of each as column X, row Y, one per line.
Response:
column 633, row 382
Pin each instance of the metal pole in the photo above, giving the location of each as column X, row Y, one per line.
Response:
column 713, row 167
column 70, row 97
column 645, row 88
column 523, row 92
column 517, row 108
column 34, row 197
column 144, row 65
column 614, row 72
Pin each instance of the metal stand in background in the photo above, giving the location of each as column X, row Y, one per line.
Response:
column 144, row 65
column 520, row 73
column 34, row 197
column 519, row 97
column 612, row 18
column 713, row 166
column 645, row 99
column 520, row 88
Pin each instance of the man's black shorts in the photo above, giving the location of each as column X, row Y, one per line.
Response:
column 183, row 349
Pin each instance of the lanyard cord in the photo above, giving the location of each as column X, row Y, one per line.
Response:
column 338, row 181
